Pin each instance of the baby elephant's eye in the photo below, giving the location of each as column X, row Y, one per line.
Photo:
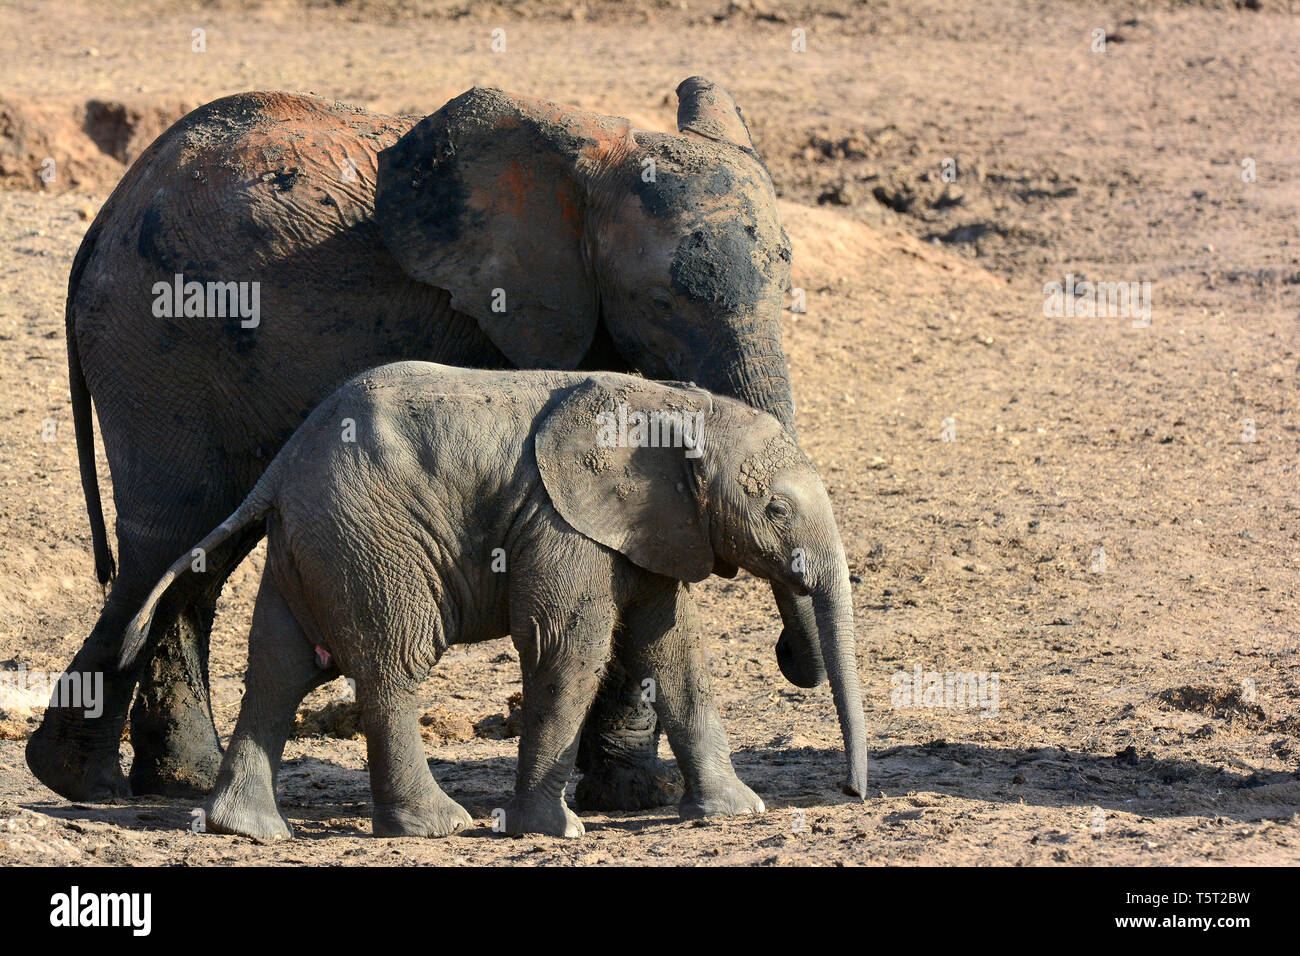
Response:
column 778, row 508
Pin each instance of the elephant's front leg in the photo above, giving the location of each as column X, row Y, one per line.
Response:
column 662, row 643
column 619, row 751
column 562, row 652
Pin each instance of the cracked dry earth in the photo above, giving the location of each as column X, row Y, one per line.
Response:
column 1100, row 533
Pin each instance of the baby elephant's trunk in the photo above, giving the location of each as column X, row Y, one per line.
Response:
column 833, row 608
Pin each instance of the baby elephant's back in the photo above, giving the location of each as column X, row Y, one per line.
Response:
column 416, row 442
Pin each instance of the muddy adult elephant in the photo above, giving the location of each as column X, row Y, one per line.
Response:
column 499, row 231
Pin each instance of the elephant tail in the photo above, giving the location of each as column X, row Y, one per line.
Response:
column 259, row 501
column 83, row 424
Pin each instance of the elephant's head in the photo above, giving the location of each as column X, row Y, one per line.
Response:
column 684, row 484
column 566, row 234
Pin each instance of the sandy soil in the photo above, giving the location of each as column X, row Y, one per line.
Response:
column 1147, row 705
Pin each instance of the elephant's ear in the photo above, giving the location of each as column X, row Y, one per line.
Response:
column 487, row 198
column 706, row 109
column 644, row 502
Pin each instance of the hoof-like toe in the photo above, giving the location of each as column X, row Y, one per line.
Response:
column 189, row 775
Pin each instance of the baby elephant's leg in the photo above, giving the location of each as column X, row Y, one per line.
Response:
column 408, row 801
column 281, row 670
column 561, row 652
column 663, row 645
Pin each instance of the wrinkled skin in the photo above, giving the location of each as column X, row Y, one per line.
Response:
column 500, row 231
column 469, row 505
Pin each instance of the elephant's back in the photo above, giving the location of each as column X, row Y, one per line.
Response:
column 273, row 192
column 255, row 174
column 410, row 446
column 443, row 418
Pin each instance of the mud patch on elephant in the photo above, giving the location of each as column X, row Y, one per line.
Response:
column 756, row 471
column 597, row 460
column 625, row 489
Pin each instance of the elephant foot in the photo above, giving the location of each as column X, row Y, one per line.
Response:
column 548, row 817
column 176, row 749
column 437, row 820
column 184, row 772
column 628, row 786
column 729, row 798
column 228, row 813
column 73, row 768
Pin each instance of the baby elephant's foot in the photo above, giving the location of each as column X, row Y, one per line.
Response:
column 433, row 820
column 727, row 798
column 639, row 786
column 226, row 812
column 549, row 817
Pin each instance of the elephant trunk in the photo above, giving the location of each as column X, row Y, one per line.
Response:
column 753, row 369
column 798, row 656
column 834, row 611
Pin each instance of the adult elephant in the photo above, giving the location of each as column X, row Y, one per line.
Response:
column 499, row 231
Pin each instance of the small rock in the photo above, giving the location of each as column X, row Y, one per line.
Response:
column 840, row 194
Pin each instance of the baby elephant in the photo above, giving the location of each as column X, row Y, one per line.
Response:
column 422, row 505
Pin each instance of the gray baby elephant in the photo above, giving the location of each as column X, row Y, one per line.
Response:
column 422, row 505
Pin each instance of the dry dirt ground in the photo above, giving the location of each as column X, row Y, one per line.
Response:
column 1101, row 532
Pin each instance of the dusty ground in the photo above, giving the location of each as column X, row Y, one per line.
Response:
column 1147, row 711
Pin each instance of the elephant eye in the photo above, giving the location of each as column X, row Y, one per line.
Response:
column 661, row 300
column 778, row 508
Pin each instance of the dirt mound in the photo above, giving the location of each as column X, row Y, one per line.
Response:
column 86, row 145
column 1222, row 704
column 16, row 725
column 446, row 726
column 830, row 248
column 503, row 727
column 339, row 718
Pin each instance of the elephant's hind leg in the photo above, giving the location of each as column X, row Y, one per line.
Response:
column 76, row 752
column 619, row 753
column 175, row 741
column 281, row 670
column 407, row 800
column 172, row 734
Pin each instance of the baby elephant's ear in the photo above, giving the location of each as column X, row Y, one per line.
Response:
column 615, row 462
